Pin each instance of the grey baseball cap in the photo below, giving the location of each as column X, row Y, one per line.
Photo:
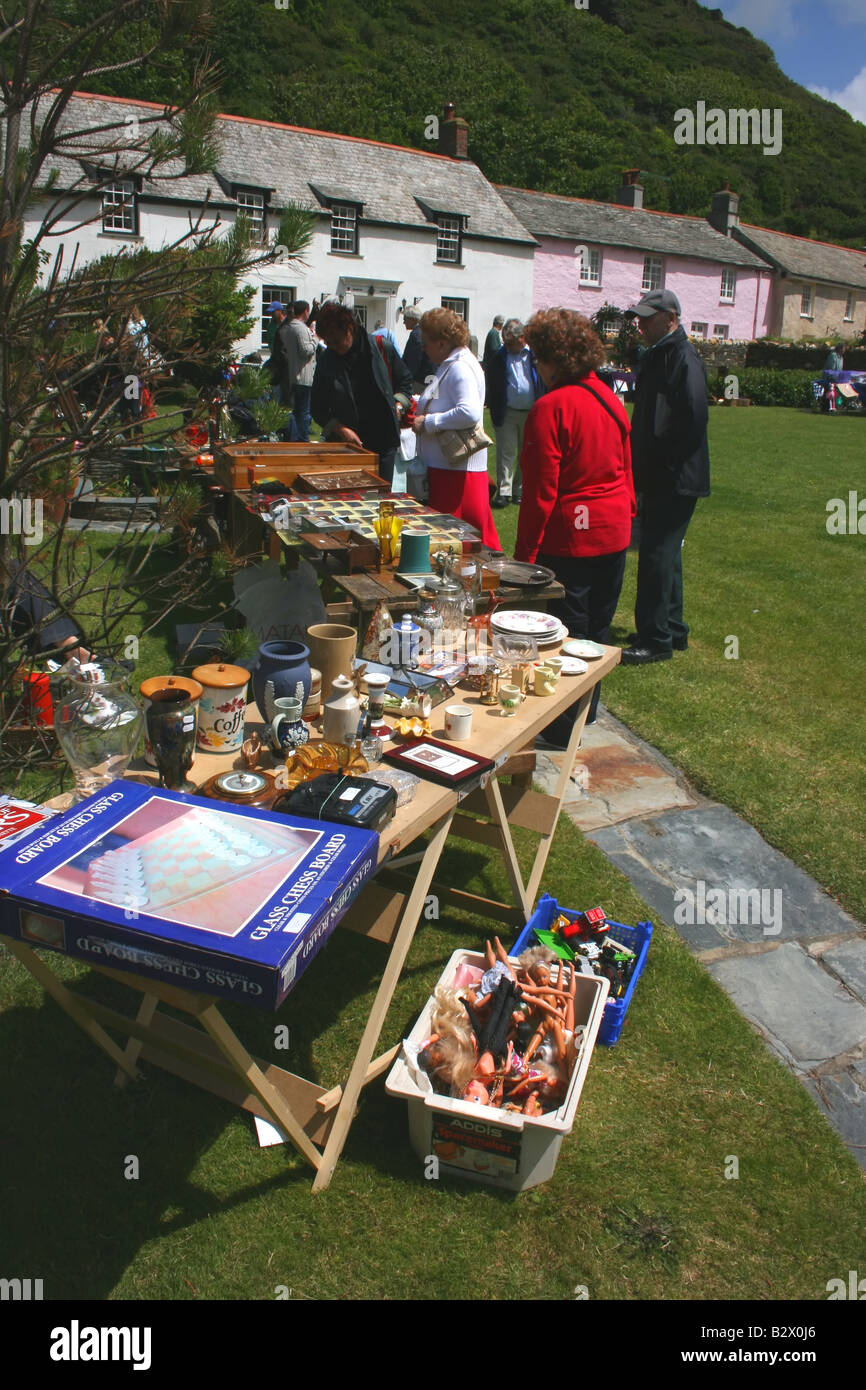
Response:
column 654, row 301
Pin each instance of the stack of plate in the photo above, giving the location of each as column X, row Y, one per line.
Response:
column 546, row 631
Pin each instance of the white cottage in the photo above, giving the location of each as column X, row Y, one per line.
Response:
column 394, row 226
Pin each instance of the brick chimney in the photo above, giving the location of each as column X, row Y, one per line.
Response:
column 453, row 134
column 630, row 194
column 725, row 211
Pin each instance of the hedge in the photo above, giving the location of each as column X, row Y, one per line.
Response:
column 764, row 386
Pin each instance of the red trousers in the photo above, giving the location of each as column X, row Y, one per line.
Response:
column 466, row 495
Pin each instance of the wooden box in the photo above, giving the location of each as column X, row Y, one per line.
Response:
column 355, row 551
column 242, row 465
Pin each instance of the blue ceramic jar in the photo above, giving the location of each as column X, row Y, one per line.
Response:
column 282, row 668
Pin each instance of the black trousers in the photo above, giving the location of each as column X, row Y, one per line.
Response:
column 592, row 586
column 658, row 609
column 386, row 464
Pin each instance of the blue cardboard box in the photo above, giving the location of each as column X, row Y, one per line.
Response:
column 221, row 899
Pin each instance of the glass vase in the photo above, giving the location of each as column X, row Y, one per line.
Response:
column 98, row 724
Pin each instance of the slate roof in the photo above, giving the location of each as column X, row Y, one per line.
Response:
column 394, row 184
column 579, row 219
column 809, row 260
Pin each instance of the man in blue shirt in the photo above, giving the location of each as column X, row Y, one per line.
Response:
column 380, row 331
column 513, row 387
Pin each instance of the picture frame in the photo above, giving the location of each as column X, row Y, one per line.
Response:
column 437, row 761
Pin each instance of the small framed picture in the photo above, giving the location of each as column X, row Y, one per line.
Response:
column 438, row 762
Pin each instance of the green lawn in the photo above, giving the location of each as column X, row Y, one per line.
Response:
column 778, row 734
column 640, row 1206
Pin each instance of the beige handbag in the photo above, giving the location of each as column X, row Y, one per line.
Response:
column 458, row 446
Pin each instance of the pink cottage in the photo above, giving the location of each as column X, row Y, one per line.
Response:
column 724, row 287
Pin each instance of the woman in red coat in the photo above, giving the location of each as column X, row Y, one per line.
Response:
column 578, row 495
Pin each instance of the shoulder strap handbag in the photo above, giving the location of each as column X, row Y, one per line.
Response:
column 604, row 405
column 383, row 353
column 458, row 446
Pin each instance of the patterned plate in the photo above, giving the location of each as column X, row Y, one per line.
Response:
column 525, row 624
column 572, row 666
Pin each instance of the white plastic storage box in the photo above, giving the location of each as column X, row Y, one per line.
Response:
column 481, row 1142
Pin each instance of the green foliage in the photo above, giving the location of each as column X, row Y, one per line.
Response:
column 766, row 386
column 295, row 230
column 236, row 644
column 253, row 386
column 270, row 416
column 623, row 344
column 251, row 382
column 207, row 318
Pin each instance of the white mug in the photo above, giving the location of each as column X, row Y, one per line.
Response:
column 458, row 722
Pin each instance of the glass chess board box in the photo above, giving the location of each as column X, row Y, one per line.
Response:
column 225, row 900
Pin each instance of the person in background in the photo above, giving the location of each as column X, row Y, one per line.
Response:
column 380, row 331
column 361, row 386
column 671, row 471
column 513, row 387
column 274, row 366
column 834, row 361
column 414, row 356
column 136, row 330
column 297, row 353
column 578, row 496
column 453, row 401
column 133, row 347
column 30, row 614
column 493, row 342
column 473, row 345
column 277, row 312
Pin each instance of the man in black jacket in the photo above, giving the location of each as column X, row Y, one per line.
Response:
column 362, row 386
column 671, row 465
column 416, row 359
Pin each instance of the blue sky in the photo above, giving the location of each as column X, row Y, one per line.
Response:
column 820, row 43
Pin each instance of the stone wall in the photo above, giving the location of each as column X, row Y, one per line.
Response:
column 803, row 356
column 720, row 357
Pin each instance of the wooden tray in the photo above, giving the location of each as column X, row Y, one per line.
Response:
column 362, row 480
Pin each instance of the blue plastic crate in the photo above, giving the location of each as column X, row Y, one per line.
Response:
column 636, row 938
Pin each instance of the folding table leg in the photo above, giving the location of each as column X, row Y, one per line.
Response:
column 146, row 1010
column 243, row 1065
column 70, row 1004
column 544, row 847
column 399, row 951
column 512, row 867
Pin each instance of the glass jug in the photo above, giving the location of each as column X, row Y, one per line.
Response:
column 98, row 724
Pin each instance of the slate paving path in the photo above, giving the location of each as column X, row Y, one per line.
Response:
column 791, row 960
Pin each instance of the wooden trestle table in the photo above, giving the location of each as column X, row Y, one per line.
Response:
column 388, row 909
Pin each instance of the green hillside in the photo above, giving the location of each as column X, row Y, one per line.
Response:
column 557, row 98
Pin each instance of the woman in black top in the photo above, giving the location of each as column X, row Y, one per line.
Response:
column 362, row 386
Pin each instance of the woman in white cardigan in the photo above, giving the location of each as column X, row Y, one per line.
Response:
column 454, row 400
